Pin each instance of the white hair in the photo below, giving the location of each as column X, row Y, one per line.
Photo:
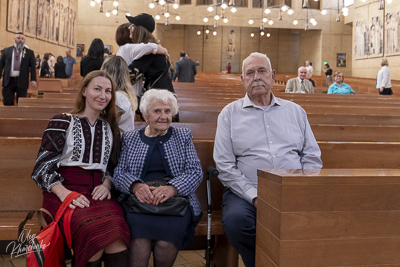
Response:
column 298, row 70
column 259, row 55
column 154, row 95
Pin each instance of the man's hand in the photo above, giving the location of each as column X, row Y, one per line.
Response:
column 381, row 89
column 33, row 83
column 255, row 202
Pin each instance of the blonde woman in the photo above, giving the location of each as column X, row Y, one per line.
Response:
column 126, row 100
column 383, row 83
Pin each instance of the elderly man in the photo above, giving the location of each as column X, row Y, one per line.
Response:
column 339, row 87
column 69, row 62
column 17, row 61
column 259, row 131
column 300, row 84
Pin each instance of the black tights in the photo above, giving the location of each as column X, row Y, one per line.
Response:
column 164, row 253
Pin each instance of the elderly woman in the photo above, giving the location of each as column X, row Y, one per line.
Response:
column 383, row 82
column 126, row 101
column 149, row 154
column 339, row 87
column 76, row 149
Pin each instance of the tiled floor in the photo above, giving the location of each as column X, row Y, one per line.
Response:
column 186, row 258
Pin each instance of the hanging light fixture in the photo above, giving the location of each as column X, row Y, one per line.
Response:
column 116, row 7
column 223, row 5
column 165, row 10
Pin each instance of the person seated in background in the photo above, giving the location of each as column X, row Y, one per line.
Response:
column 59, row 68
column 258, row 131
column 77, row 153
column 44, row 68
column 311, row 80
column 126, row 101
column 154, row 152
column 300, row 84
column 328, row 73
column 339, row 87
column 94, row 58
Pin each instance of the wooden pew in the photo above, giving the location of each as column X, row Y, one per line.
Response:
column 22, row 127
column 330, row 217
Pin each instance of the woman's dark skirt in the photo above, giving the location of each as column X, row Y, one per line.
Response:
column 92, row 228
column 174, row 229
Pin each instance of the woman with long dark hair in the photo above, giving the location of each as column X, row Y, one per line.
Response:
column 59, row 68
column 76, row 150
column 94, row 58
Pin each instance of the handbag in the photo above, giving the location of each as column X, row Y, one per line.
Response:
column 174, row 206
column 47, row 248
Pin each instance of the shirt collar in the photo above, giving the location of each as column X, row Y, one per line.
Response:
column 248, row 103
column 299, row 79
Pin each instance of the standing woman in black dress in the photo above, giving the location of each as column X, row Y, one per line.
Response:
column 59, row 68
column 94, row 58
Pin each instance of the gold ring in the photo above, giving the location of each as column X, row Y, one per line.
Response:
column 162, row 196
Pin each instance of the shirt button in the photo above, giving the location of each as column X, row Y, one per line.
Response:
column 160, row 142
column 274, row 156
column 267, row 126
column 270, row 142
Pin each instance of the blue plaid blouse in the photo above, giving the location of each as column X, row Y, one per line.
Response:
column 180, row 155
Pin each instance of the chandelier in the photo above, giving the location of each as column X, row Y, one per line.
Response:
column 224, row 6
column 312, row 20
column 115, row 8
column 165, row 9
column 266, row 14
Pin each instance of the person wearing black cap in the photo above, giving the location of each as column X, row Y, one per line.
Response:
column 155, row 68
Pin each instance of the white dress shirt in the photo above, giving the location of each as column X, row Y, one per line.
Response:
column 383, row 79
column 250, row 137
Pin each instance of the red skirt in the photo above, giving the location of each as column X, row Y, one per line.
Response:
column 92, row 228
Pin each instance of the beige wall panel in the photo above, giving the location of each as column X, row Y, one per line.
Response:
column 270, row 46
column 288, row 51
column 248, row 44
column 212, row 53
column 194, row 44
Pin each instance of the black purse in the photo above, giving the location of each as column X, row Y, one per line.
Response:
column 174, row 206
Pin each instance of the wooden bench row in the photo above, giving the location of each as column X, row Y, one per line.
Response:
column 206, row 131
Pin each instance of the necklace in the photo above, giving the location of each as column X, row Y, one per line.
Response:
column 147, row 132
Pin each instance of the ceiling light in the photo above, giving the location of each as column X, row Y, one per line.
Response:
column 324, row 12
column 198, row 32
column 270, row 22
column 251, row 22
column 268, row 34
column 92, row 3
column 224, row 6
column 214, row 33
column 175, row 6
column 210, row 9
column 252, row 34
column 178, row 18
column 267, row 11
column 290, row 12
column 152, row 5
column 157, row 17
column 233, row 10
column 225, row 20
column 205, row 20
column 295, row 22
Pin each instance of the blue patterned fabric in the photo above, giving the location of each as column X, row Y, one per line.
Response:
column 180, row 155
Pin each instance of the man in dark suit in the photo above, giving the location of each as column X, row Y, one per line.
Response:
column 185, row 69
column 17, row 61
